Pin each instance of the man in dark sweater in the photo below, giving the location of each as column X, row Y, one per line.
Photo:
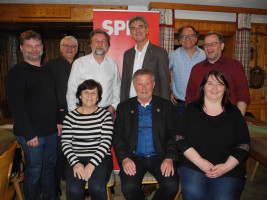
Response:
column 61, row 68
column 33, row 105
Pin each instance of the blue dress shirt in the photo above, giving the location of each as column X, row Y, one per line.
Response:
column 181, row 64
column 145, row 138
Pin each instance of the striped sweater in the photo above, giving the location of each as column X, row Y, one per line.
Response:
column 87, row 135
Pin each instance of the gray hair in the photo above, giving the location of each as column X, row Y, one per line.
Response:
column 136, row 18
column 144, row 72
column 69, row 38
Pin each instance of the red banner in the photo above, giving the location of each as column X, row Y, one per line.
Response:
column 115, row 22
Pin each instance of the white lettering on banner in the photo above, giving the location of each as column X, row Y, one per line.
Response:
column 106, row 26
column 128, row 30
column 119, row 25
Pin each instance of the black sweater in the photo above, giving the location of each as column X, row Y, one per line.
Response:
column 32, row 100
column 215, row 138
column 60, row 68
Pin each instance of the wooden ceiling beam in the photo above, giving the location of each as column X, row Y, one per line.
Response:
column 51, row 12
column 194, row 7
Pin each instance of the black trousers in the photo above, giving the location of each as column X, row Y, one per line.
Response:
column 131, row 185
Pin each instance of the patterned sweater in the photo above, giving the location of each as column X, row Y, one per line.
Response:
column 87, row 135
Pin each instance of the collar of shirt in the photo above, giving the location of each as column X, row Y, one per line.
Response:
column 144, row 48
column 145, row 104
column 63, row 58
column 195, row 54
column 138, row 62
column 92, row 58
column 217, row 61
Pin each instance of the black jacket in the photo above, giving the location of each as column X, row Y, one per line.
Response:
column 164, row 127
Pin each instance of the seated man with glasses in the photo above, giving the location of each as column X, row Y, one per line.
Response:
column 232, row 69
column 181, row 62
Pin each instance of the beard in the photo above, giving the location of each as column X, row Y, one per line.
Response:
column 27, row 56
column 100, row 51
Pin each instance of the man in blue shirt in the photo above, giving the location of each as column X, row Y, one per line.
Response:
column 181, row 62
column 144, row 140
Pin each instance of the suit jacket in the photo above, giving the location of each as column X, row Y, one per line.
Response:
column 156, row 59
column 164, row 127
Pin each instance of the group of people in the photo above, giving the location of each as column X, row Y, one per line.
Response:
column 64, row 113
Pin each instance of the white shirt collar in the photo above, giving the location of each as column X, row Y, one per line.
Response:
column 144, row 48
column 145, row 104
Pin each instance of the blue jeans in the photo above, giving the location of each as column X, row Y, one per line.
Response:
column 60, row 166
column 196, row 186
column 97, row 184
column 40, row 165
column 131, row 185
column 180, row 107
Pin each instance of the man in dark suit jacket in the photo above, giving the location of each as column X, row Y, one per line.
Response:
column 144, row 140
column 147, row 56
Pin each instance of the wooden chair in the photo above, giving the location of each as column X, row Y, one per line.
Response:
column 110, row 184
column 6, row 160
column 150, row 179
column 4, row 111
column 254, row 170
column 19, row 177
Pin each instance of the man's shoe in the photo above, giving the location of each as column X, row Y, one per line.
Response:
column 148, row 189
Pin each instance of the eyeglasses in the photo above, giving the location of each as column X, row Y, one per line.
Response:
column 183, row 37
column 213, row 44
column 69, row 46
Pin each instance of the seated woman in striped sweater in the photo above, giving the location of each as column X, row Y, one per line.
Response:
column 86, row 140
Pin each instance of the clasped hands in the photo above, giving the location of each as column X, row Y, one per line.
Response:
column 213, row 171
column 83, row 172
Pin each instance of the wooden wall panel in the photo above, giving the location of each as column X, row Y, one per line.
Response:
column 51, row 12
column 258, row 96
column 225, row 9
column 258, row 101
column 4, row 64
column 226, row 28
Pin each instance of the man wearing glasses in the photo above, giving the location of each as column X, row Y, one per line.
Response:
column 232, row 69
column 61, row 68
column 182, row 61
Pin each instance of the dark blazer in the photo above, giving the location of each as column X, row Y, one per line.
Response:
column 164, row 127
column 156, row 59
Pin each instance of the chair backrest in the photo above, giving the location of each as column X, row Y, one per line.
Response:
column 6, row 160
column 18, row 166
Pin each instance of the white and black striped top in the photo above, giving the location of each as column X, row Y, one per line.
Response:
column 87, row 135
